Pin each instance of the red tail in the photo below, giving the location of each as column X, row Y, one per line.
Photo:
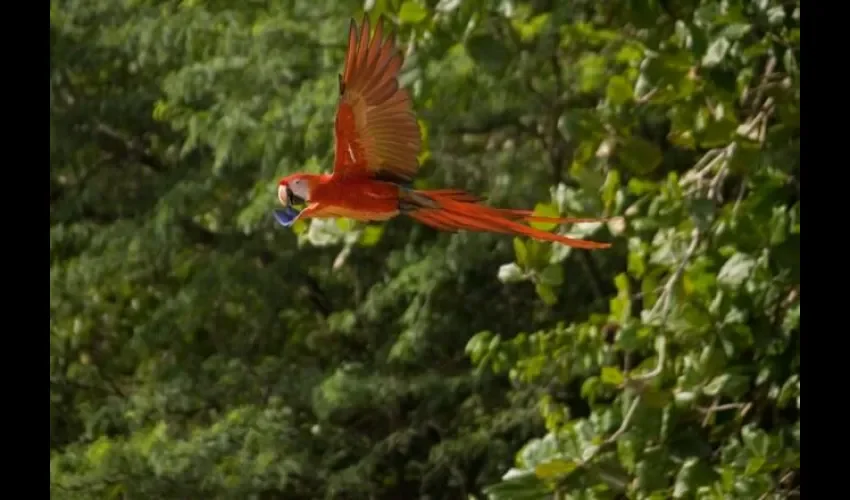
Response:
column 452, row 210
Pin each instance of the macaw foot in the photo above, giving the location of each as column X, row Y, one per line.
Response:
column 286, row 216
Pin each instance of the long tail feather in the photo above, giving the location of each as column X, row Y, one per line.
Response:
column 453, row 210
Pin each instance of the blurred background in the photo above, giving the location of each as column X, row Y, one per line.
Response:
column 198, row 350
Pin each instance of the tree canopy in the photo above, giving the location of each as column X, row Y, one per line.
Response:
column 198, row 350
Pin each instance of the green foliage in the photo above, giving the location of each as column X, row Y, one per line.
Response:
column 200, row 351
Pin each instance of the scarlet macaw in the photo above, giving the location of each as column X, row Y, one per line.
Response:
column 377, row 144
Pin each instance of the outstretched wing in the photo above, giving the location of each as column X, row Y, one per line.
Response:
column 376, row 130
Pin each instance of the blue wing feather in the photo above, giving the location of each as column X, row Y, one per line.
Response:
column 286, row 216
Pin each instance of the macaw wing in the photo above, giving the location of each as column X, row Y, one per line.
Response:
column 286, row 216
column 375, row 130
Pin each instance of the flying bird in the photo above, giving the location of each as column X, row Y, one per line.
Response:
column 377, row 142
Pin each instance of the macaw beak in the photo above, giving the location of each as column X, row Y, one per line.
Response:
column 286, row 216
column 292, row 198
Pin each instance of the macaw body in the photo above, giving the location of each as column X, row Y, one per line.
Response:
column 377, row 142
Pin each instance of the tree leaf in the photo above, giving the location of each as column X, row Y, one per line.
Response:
column 727, row 384
column 736, row 270
column 554, row 469
column 552, row 275
column 545, row 210
column 619, row 91
column 736, row 31
column 718, row 133
column 537, row 451
column 693, row 474
column 447, row 6
column 528, row 31
column 756, row 440
column 371, row 235
column 591, row 68
column 524, row 485
column 489, row 53
column 639, row 155
column 612, row 375
column 716, row 52
column 546, row 293
column 412, row 12
column 521, row 253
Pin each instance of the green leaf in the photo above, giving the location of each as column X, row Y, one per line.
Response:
column 412, row 12
column 529, row 30
column 754, row 465
column 627, row 452
column 736, row 270
column 546, row 293
column 612, row 376
column 447, row 6
column 98, row 451
column 552, row 275
column 611, row 187
column 344, row 224
column 630, row 52
column 716, row 52
column 545, row 210
column 589, row 179
column 627, row 337
column 371, row 235
column 736, row 31
column 489, row 53
column 621, row 282
column 590, row 388
column 655, row 398
column 779, row 226
column 685, row 398
column 522, row 485
column 640, row 187
column 478, row 346
column 636, row 264
column 718, row 133
column 702, row 212
column 693, row 474
column 727, row 385
column 539, row 253
column 521, row 253
column 555, row 469
column 756, row 440
column 651, row 472
column 745, row 158
column 790, row 390
column 537, row 451
column 619, row 91
column 592, row 69
column 639, row 155
column 621, row 305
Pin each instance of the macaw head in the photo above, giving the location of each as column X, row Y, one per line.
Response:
column 295, row 189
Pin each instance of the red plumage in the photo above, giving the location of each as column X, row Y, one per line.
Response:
column 377, row 142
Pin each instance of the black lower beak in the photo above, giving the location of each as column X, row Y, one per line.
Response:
column 292, row 198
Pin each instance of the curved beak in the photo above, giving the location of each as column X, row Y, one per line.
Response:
column 287, row 215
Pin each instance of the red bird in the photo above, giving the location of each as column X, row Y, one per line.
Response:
column 377, row 144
